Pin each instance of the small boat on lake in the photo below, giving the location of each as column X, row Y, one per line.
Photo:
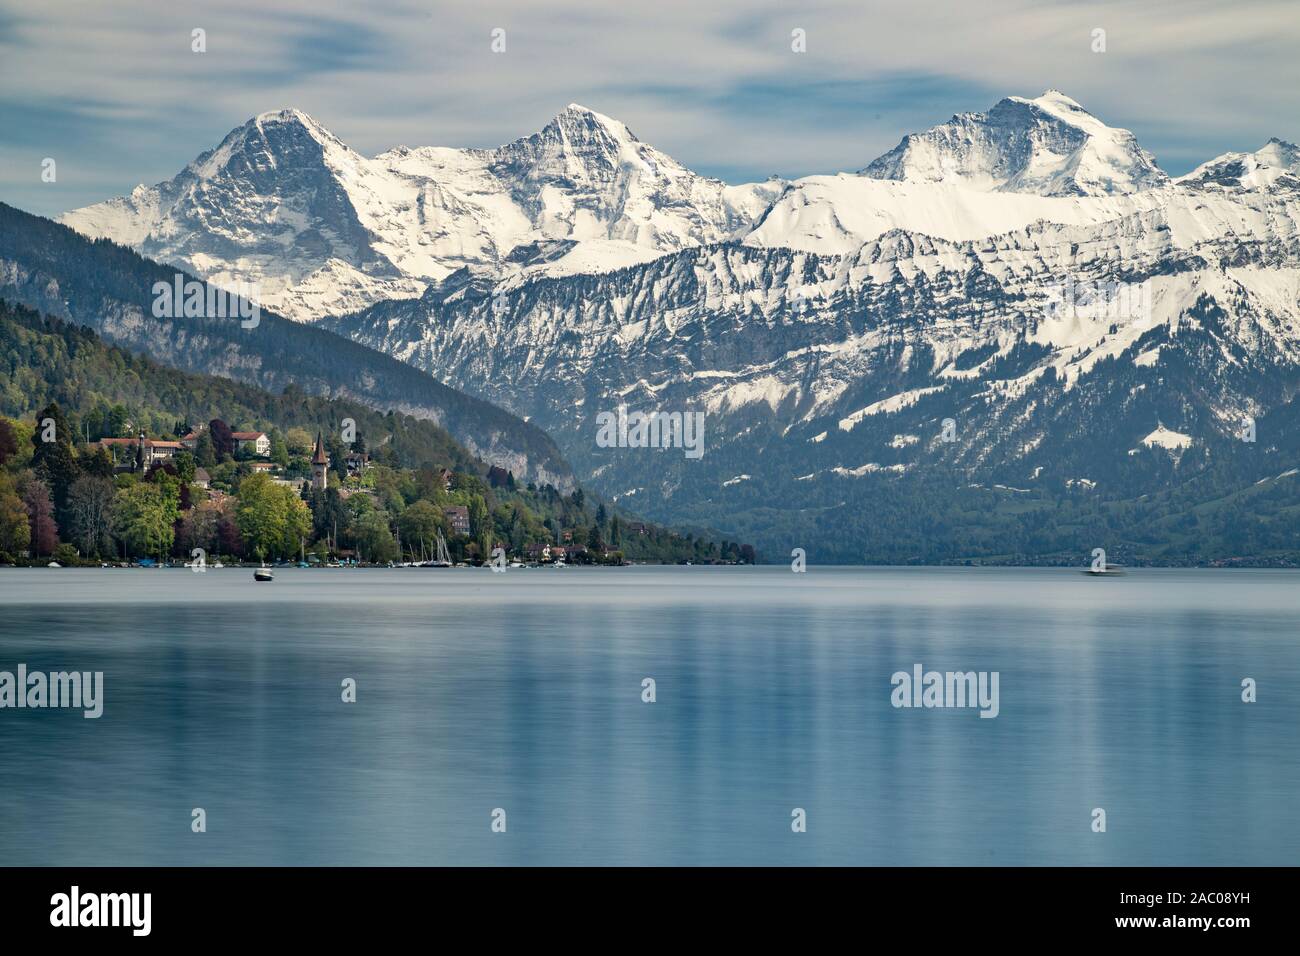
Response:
column 262, row 574
column 443, row 560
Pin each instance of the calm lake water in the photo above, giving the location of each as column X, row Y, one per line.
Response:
column 523, row 691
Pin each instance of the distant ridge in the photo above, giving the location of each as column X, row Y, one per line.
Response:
column 49, row 267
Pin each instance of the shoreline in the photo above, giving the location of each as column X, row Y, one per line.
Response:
column 968, row 566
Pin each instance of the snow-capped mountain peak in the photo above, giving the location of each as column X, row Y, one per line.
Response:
column 1048, row 146
column 323, row 230
column 1278, row 152
column 581, row 148
column 288, row 117
column 580, row 126
column 576, row 111
column 270, row 142
column 1277, row 160
column 1064, row 108
column 283, row 203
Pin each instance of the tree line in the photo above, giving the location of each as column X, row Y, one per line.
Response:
column 66, row 498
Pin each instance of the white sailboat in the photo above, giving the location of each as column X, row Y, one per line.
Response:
column 443, row 560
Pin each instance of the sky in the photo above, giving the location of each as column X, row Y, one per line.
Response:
column 115, row 94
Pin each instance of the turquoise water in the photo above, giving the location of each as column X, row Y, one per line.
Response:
column 523, row 691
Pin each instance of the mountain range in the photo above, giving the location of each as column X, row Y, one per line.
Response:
column 283, row 203
column 1016, row 308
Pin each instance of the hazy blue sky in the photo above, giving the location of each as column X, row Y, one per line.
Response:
column 112, row 91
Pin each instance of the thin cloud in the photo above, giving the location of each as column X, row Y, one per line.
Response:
column 116, row 94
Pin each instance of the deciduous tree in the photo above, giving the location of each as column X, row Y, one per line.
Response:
column 90, row 515
column 40, row 517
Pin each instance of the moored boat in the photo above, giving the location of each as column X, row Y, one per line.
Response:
column 443, row 560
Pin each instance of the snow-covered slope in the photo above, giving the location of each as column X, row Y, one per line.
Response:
column 282, row 203
column 321, row 230
column 836, row 214
column 1048, row 146
column 1275, row 162
column 828, row 358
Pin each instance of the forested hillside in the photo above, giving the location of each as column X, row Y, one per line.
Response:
column 108, row 287
column 101, row 387
column 67, row 497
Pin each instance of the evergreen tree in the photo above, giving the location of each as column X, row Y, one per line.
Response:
column 8, row 442
column 338, row 454
column 204, row 452
column 52, row 456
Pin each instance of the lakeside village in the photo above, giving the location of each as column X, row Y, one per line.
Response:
column 218, row 495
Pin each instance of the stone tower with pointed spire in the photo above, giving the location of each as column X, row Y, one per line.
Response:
column 320, row 466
